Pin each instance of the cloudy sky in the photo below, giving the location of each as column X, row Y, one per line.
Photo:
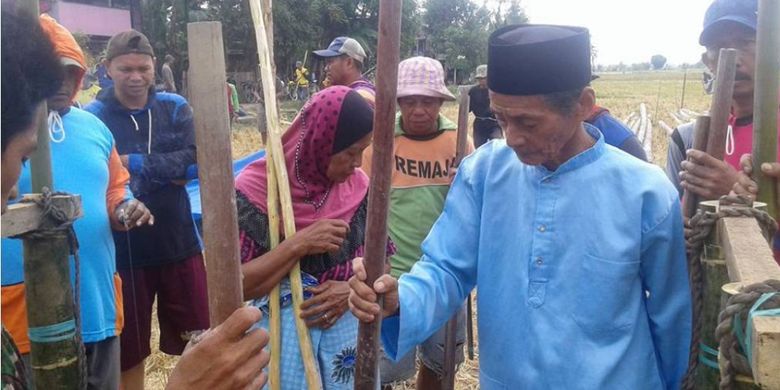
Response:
column 630, row 30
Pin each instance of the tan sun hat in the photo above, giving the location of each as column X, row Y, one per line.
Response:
column 422, row 76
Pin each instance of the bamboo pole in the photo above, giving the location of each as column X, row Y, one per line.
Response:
column 767, row 80
column 721, row 103
column 276, row 153
column 48, row 290
column 388, row 49
column 691, row 200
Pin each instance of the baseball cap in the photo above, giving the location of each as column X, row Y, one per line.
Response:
column 342, row 46
column 744, row 12
column 128, row 42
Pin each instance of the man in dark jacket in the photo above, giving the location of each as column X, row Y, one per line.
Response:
column 155, row 139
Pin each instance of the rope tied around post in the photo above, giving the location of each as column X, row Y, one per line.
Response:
column 702, row 224
column 57, row 223
column 735, row 323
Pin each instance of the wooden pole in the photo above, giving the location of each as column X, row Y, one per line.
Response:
column 215, row 169
column 451, row 330
column 765, row 100
column 275, row 152
column 721, row 103
column 388, row 49
column 691, row 200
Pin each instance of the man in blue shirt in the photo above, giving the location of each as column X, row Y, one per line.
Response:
column 577, row 248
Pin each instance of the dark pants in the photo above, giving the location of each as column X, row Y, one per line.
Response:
column 102, row 360
column 182, row 307
column 485, row 130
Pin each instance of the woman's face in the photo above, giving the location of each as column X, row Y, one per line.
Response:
column 343, row 164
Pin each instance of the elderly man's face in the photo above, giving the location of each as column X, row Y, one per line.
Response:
column 538, row 133
column 420, row 114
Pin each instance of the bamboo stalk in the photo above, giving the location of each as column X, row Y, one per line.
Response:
column 721, row 103
column 275, row 320
column 669, row 129
column 642, row 122
column 276, row 153
column 767, row 80
column 388, row 49
column 690, row 200
column 677, row 120
column 648, row 142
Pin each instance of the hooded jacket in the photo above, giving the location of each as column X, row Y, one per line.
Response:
column 159, row 140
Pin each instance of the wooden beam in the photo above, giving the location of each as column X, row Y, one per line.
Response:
column 388, row 49
column 766, row 352
column 215, row 169
column 25, row 217
column 748, row 255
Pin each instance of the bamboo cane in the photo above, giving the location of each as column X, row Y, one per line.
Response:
column 275, row 320
column 767, row 80
column 275, row 153
column 721, row 103
column 388, row 49
column 46, row 267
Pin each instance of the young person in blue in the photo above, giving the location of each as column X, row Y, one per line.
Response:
column 577, row 248
column 155, row 139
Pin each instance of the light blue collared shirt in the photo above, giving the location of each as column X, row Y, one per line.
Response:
column 582, row 275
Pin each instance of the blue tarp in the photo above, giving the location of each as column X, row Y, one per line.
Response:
column 193, row 187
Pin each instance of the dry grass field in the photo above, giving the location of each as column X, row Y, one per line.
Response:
column 620, row 93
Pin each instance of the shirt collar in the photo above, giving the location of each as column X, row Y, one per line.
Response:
column 582, row 159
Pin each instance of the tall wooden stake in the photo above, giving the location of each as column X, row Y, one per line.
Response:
column 388, row 49
column 215, row 169
column 765, row 102
column 721, row 103
column 690, row 200
column 276, row 153
column 48, row 290
column 451, row 330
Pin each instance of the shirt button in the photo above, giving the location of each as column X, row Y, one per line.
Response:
column 542, row 228
column 539, row 260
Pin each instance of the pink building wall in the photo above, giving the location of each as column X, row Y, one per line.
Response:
column 92, row 20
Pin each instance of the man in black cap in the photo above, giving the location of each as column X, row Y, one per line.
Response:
column 155, row 139
column 577, row 247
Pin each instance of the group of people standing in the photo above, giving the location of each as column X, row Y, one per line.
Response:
column 575, row 242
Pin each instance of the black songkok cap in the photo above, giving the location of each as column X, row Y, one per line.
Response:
column 530, row 59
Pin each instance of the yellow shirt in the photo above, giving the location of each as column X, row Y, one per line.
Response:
column 300, row 76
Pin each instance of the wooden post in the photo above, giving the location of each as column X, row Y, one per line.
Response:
column 215, row 169
column 721, row 103
column 685, row 80
column 275, row 152
column 767, row 79
column 691, row 200
column 451, row 330
column 388, row 49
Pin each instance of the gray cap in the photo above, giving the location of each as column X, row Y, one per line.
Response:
column 344, row 46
